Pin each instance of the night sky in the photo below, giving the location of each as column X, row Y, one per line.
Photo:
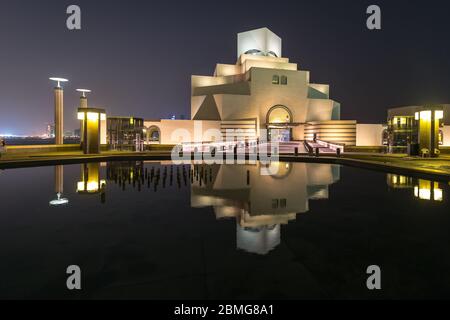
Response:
column 137, row 56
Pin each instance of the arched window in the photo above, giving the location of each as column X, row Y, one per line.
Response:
column 154, row 134
column 279, row 114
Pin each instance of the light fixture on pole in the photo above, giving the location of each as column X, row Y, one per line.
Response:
column 83, row 105
column 59, row 110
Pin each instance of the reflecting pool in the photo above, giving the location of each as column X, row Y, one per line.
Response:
column 281, row 231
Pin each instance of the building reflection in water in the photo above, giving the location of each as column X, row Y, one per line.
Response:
column 260, row 203
column 423, row 189
column 91, row 182
column 59, row 187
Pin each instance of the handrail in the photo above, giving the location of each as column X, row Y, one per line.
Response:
column 308, row 147
column 331, row 145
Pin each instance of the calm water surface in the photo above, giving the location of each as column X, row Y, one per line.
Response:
column 157, row 231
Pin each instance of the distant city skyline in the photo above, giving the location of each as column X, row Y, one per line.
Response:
column 137, row 57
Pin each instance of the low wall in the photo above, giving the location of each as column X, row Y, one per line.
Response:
column 446, row 133
column 337, row 131
column 373, row 149
column 42, row 148
column 369, row 135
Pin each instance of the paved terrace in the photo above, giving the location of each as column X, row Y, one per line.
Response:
column 438, row 168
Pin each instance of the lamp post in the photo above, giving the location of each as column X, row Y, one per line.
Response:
column 83, row 98
column 83, row 105
column 59, row 110
column 91, row 119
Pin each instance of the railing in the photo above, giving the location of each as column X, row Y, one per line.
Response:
column 224, row 145
column 308, row 147
column 331, row 145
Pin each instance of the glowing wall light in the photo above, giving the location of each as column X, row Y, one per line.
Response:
column 92, row 116
column 103, row 117
column 80, row 115
column 425, row 115
column 417, row 116
column 439, row 114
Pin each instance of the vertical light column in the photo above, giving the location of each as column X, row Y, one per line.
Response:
column 429, row 123
column 59, row 110
column 59, row 116
column 91, row 123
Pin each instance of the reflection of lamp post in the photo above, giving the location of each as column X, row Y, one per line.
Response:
column 59, row 187
column 59, row 110
column 90, row 179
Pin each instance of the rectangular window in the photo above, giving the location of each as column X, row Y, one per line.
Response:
column 275, row 80
column 283, row 203
column 275, row 204
column 284, row 80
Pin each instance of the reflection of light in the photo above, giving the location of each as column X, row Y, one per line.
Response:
column 80, row 115
column 92, row 186
column 425, row 194
column 93, row 116
column 425, row 188
column 438, row 195
column 103, row 116
column 259, row 240
column 439, row 114
column 80, row 186
column 416, row 116
column 59, row 201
